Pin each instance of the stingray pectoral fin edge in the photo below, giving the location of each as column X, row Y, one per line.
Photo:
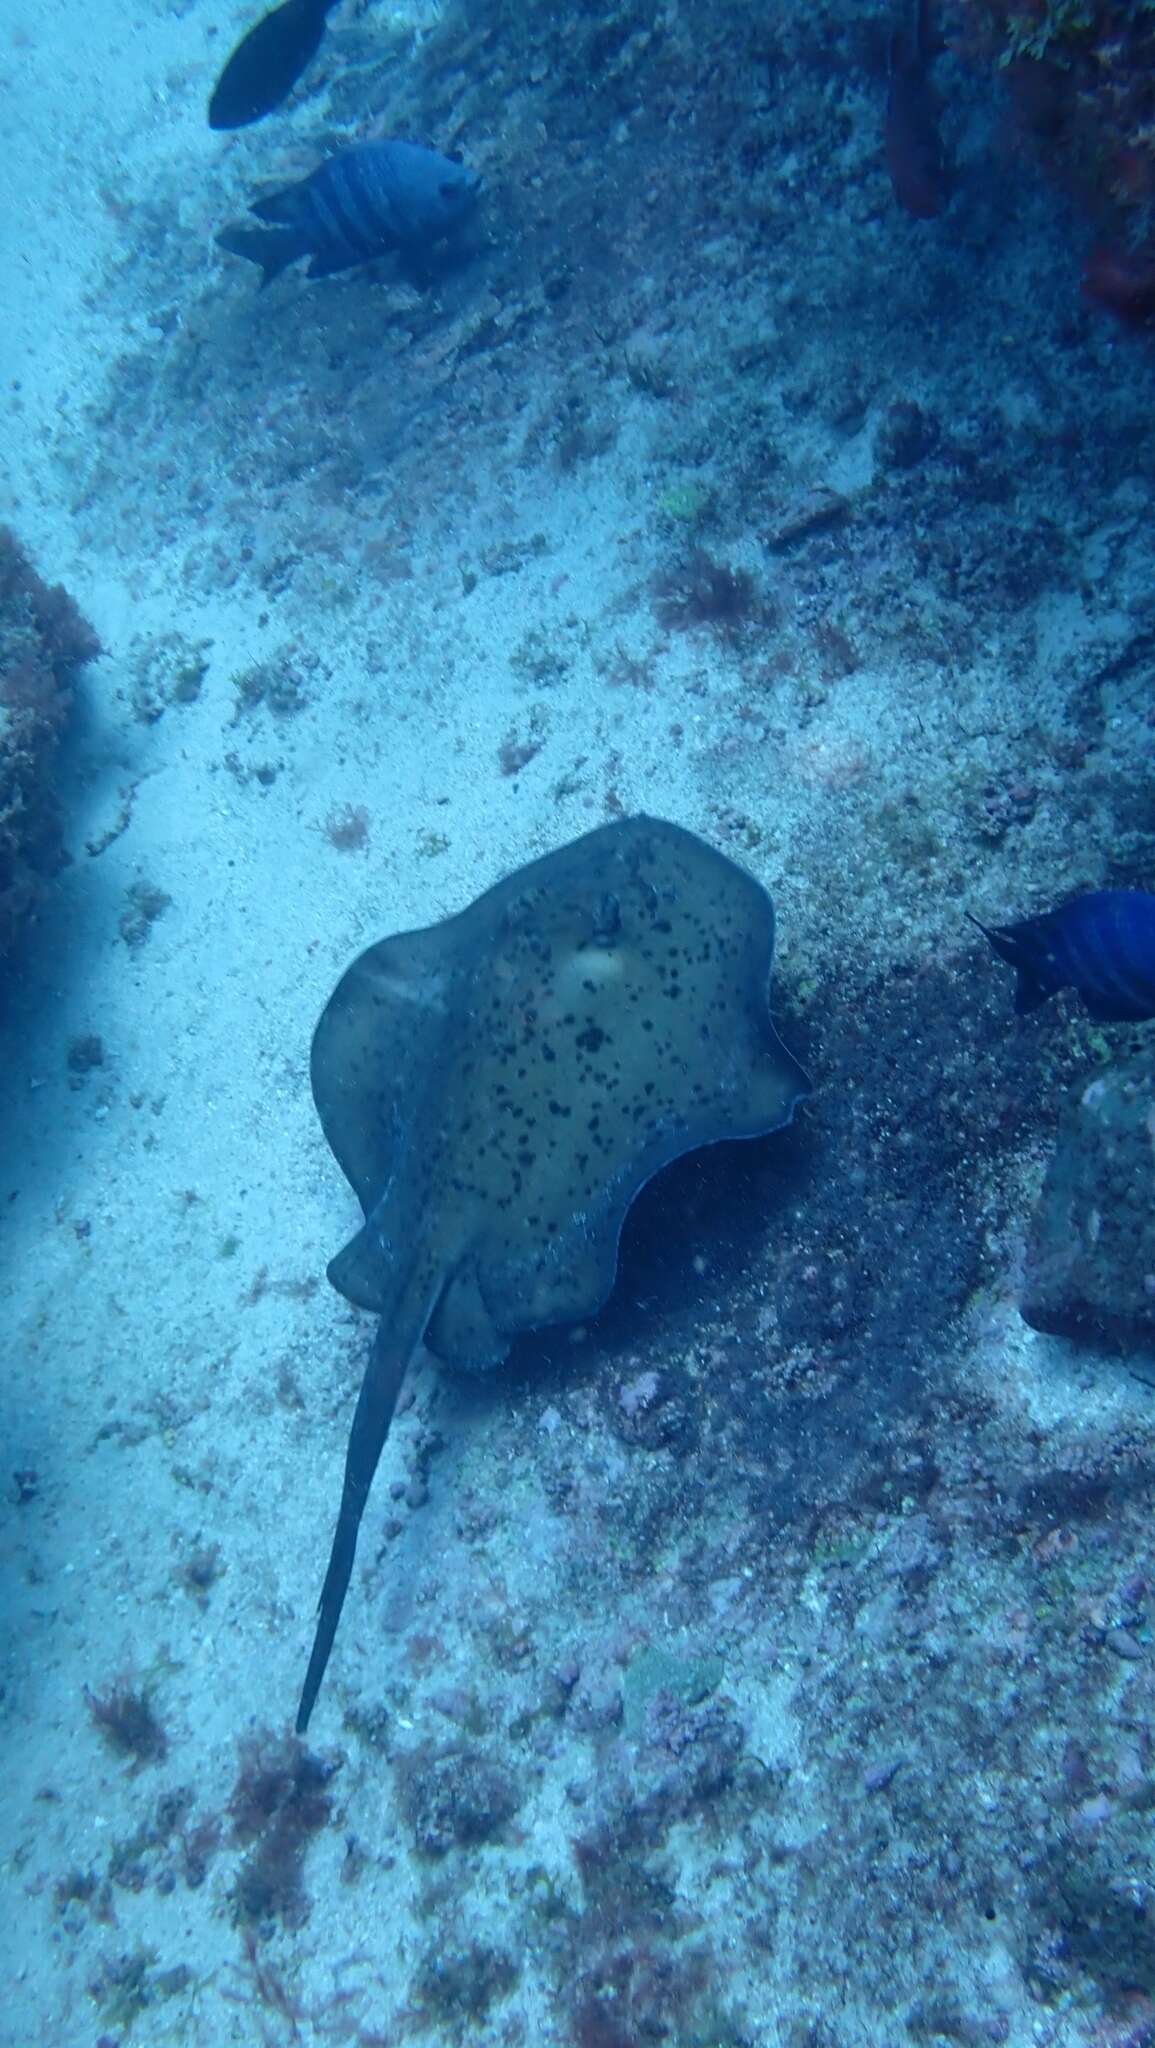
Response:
column 356, row 1272
column 393, row 1347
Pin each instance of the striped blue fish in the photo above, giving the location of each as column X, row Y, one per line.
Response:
column 367, row 201
column 1101, row 944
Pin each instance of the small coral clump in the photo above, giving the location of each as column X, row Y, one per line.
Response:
column 43, row 639
column 454, row 1797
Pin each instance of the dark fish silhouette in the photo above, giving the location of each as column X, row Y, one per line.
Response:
column 1102, row 945
column 1123, row 280
column 915, row 157
column 267, row 63
column 365, row 202
column 498, row 1087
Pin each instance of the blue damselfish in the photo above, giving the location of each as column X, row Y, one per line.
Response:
column 366, row 201
column 1101, row 944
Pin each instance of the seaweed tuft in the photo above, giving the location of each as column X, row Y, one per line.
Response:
column 699, row 591
column 279, row 1801
column 124, row 1716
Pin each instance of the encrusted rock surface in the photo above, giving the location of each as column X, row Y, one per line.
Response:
column 1091, row 1261
column 43, row 639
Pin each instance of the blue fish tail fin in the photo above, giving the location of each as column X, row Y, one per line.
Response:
column 1029, row 990
column 273, row 249
column 1011, row 945
column 327, row 261
column 281, row 207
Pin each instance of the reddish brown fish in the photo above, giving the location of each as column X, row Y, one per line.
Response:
column 915, row 157
column 1123, row 280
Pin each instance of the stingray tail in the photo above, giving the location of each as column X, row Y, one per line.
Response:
column 376, row 1402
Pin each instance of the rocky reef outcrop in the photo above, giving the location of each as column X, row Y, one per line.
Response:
column 1091, row 1258
column 43, row 641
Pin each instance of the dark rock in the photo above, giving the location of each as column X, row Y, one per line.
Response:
column 1091, row 1256
column 905, row 435
column 454, row 1797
